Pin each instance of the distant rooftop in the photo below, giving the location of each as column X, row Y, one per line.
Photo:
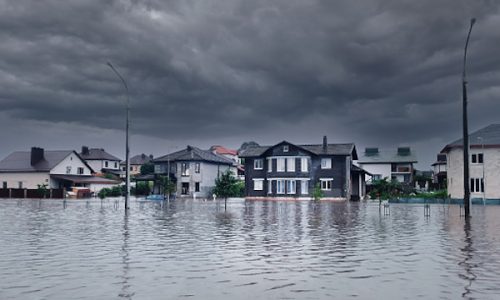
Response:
column 399, row 155
column 139, row 159
column 488, row 136
column 223, row 150
column 97, row 154
column 194, row 154
column 20, row 161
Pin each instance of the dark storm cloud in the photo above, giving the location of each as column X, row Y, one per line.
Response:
column 385, row 72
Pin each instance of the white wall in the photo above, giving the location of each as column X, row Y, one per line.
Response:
column 72, row 161
column 491, row 170
column 206, row 177
column 97, row 165
column 383, row 169
column 30, row 180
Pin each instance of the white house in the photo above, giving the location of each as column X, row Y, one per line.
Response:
column 56, row 169
column 394, row 164
column 439, row 171
column 484, row 165
column 101, row 161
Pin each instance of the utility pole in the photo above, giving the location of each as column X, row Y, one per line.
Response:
column 466, row 129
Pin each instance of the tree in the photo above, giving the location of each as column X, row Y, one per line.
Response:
column 167, row 186
column 226, row 185
column 42, row 190
column 317, row 192
column 147, row 168
column 246, row 145
column 385, row 189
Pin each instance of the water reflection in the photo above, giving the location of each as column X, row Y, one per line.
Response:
column 467, row 263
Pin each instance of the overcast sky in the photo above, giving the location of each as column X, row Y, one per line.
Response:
column 376, row 73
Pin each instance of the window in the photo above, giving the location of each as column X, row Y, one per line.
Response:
column 290, row 186
column 285, row 148
column 326, row 163
column 196, row 186
column 477, row 158
column 124, row 169
column 106, row 164
column 269, row 187
column 185, row 169
column 269, row 164
column 20, row 184
column 304, row 165
column 68, row 170
column 80, row 170
column 258, row 164
column 197, row 168
column 477, row 185
column 304, row 187
column 280, row 186
column 290, row 164
column 280, row 165
column 326, row 184
column 376, row 177
column 131, row 168
column 258, row 184
column 4, row 185
column 116, row 165
column 157, row 169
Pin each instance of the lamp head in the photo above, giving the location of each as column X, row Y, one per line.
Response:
column 472, row 21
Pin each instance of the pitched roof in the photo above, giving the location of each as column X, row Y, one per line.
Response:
column 139, row 159
column 488, row 136
column 387, row 156
column 194, row 154
column 223, row 150
column 98, row 154
column 20, row 161
column 317, row 149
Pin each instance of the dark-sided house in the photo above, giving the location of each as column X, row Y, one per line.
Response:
column 292, row 171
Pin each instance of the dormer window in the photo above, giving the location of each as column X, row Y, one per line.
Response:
column 285, row 148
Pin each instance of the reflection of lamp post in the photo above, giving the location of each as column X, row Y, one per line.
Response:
column 127, row 150
column 466, row 130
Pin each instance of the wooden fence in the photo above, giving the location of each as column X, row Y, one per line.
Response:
column 31, row 193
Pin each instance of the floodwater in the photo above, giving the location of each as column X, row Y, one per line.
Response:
column 256, row 250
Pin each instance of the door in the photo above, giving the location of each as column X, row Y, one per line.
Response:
column 185, row 188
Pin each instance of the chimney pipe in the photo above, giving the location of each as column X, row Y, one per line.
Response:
column 36, row 155
column 325, row 144
column 85, row 150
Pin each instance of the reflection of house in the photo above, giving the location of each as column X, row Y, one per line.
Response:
column 393, row 164
column 56, row 169
column 136, row 162
column 101, row 161
column 232, row 155
column 484, row 159
column 292, row 171
column 193, row 170
column 439, row 168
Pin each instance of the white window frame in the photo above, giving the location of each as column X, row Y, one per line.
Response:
column 258, row 164
column 291, row 187
column 269, row 165
column 280, row 186
column 304, row 187
column 269, row 186
column 304, row 164
column 258, row 184
column 326, row 163
column 280, row 164
column 285, row 148
column 326, row 184
column 290, row 164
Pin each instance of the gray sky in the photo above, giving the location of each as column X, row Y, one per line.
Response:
column 377, row 73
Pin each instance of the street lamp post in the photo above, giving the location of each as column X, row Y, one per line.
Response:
column 465, row 129
column 127, row 149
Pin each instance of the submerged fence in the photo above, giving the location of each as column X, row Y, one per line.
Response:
column 32, row 193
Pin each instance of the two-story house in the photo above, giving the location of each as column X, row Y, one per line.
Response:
column 101, row 161
column 484, row 165
column 55, row 169
column 397, row 164
column 439, row 171
column 193, row 170
column 136, row 162
column 289, row 171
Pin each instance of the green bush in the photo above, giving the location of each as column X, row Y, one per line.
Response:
column 317, row 192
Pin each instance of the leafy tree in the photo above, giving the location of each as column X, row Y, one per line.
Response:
column 141, row 188
column 385, row 189
column 147, row 168
column 226, row 185
column 246, row 145
column 317, row 192
column 167, row 186
column 43, row 191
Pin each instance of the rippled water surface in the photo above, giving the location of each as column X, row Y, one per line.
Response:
column 256, row 250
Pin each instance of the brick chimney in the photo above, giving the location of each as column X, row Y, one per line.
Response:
column 85, row 150
column 325, row 144
column 36, row 155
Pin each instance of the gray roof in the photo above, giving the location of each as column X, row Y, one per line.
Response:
column 194, row 154
column 20, row 161
column 98, row 154
column 387, row 156
column 139, row 159
column 487, row 136
column 332, row 149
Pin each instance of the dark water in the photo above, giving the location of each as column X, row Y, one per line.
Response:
column 257, row 250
